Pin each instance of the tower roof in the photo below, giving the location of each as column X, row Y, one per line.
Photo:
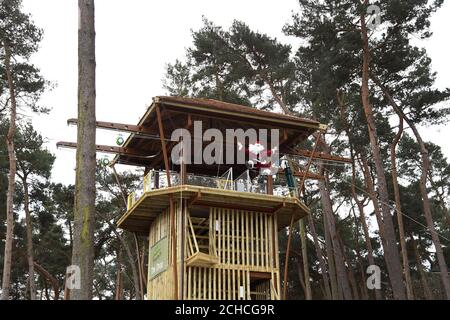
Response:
column 181, row 112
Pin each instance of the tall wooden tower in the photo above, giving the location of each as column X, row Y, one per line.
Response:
column 212, row 228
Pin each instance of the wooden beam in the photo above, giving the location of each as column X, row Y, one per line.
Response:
column 171, row 202
column 203, row 203
column 194, row 199
column 172, row 144
column 163, row 144
column 145, row 132
column 110, row 149
column 255, row 275
column 309, row 175
column 278, row 208
column 321, row 156
column 239, row 116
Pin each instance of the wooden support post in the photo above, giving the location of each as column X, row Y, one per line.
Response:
column 308, row 166
column 276, row 255
column 141, row 282
column 302, row 227
column 194, row 199
column 183, row 208
column 163, row 145
column 124, row 196
column 183, row 162
column 171, row 202
column 172, row 144
column 270, row 185
column 286, row 261
column 308, row 293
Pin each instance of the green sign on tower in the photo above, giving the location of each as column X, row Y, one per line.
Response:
column 159, row 257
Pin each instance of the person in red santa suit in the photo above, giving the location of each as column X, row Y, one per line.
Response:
column 260, row 158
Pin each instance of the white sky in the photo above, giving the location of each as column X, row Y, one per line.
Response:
column 136, row 38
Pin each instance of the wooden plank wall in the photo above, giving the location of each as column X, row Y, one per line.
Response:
column 244, row 242
column 244, row 238
column 159, row 288
column 217, row 283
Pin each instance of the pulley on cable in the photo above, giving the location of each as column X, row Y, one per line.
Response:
column 120, row 140
column 104, row 162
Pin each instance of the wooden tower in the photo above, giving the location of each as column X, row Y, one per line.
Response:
column 213, row 233
column 212, row 229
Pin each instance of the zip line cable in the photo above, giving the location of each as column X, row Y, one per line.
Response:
column 393, row 208
column 389, row 205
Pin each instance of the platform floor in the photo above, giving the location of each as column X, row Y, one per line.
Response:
column 151, row 204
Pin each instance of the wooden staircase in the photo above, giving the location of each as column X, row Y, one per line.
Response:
column 201, row 249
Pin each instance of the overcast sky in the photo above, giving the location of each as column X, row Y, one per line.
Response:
column 136, row 38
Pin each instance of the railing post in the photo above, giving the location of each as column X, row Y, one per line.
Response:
column 270, row 185
column 156, row 179
column 130, row 200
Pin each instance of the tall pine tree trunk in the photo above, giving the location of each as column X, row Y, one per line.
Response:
column 127, row 247
column 6, row 282
column 84, row 213
column 350, row 273
column 423, row 190
column 427, row 211
column 398, row 206
column 368, row 181
column 335, row 292
column 323, row 268
column 390, row 249
column 119, row 278
column 423, row 277
column 29, row 227
column 49, row 278
column 341, row 272
column 362, row 219
column 302, row 227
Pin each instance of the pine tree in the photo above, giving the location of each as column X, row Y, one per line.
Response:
column 19, row 39
column 340, row 44
column 33, row 161
column 84, row 212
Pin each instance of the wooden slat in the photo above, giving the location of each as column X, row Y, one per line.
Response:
column 214, row 281
column 252, row 236
column 247, row 236
column 233, row 228
column 204, row 283
column 243, row 235
column 228, row 245
column 257, row 235
column 266, row 240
